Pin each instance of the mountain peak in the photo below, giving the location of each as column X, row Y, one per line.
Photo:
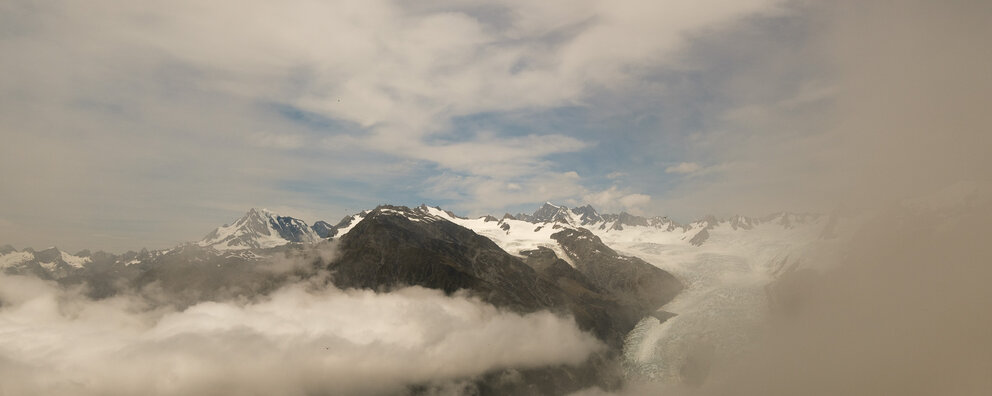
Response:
column 550, row 212
column 257, row 212
column 323, row 228
column 260, row 228
column 587, row 214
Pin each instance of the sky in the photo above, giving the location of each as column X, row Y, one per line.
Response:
column 128, row 125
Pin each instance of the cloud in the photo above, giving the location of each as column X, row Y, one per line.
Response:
column 478, row 194
column 860, row 315
column 614, row 199
column 635, row 200
column 295, row 341
column 500, row 157
column 850, row 127
column 683, row 168
column 284, row 141
column 900, row 309
column 140, row 119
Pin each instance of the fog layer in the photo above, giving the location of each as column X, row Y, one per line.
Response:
column 296, row 341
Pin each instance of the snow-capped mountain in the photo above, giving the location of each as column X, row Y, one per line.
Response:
column 725, row 265
column 260, row 228
column 587, row 215
column 322, row 228
column 548, row 213
column 523, row 232
column 49, row 262
column 424, row 246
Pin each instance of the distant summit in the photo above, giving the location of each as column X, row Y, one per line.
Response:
column 45, row 263
column 260, row 228
column 587, row 215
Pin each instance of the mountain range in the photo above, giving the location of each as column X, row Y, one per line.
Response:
column 260, row 229
column 610, row 272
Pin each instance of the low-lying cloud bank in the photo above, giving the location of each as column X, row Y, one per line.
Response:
column 905, row 312
column 296, row 341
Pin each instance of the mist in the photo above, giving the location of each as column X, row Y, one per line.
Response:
column 906, row 310
column 297, row 340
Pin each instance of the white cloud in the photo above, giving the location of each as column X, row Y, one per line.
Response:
column 683, row 168
column 294, row 342
column 283, row 141
column 154, row 109
column 635, row 200
column 478, row 195
column 615, row 199
column 507, row 157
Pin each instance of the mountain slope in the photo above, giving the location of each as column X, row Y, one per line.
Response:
column 397, row 246
column 630, row 279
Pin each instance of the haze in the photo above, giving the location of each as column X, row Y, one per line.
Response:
column 129, row 125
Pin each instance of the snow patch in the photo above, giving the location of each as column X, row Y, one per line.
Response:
column 14, row 258
column 354, row 221
column 50, row 267
column 521, row 235
column 75, row 261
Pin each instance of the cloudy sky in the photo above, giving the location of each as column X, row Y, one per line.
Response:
column 131, row 124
